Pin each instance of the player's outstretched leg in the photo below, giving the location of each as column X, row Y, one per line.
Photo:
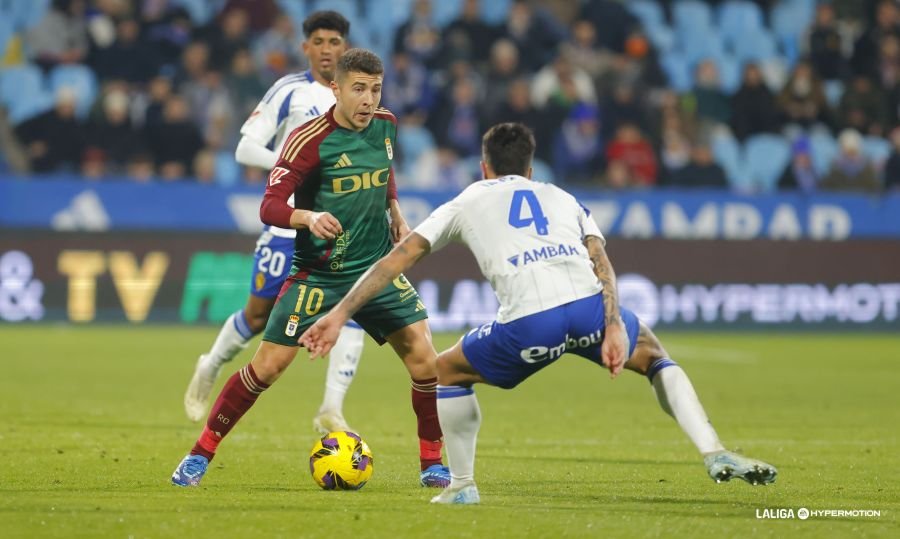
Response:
column 238, row 396
column 413, row 345
column 460, row 418
column 236, row 332
column 677, row 398
column 342, row 365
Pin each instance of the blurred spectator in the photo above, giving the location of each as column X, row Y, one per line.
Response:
column 709, row 101
column 535, row 33
column 753, row 106
column 866, row 49
column 128, row 58
column 176, row 140
column 93, row 164
column 194, row 63
column 141, row 168
column 112, row 135
column 260, row 14
column 584, row 52
column 863, row 108
column 168, row 31
column 227, row 38
column 54, row 139
column 630, row 146
column 61, row 37
column 455, row 122
column 419, row 36
column 159, row 91
column 825, row 47
column 243, row 84
column 802, row 100
column 468, row 32
column 578, row 150
column 892, row 167
column 502, row 71
column 518, row 108
column 562, row 83
column 612, row 21
column 620, row 107
column 800, row 175
column 617, row 176
column 204, row 166
column 407, row 89
column 851, row 170
column 440, row 169
column 702, row 171
column 674, row 155
column 277, row 51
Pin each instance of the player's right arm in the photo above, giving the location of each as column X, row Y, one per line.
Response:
column 614, row 350
column 284, row 179
column 260, row 128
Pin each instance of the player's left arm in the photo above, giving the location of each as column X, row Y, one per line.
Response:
column 322, row 335
column 614, row 350
column 399, row 227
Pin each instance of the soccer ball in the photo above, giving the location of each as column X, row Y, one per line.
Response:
column 341, row 461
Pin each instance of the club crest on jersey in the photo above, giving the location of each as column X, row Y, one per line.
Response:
column 276, row 174
column 293, row 322
column 389, row 148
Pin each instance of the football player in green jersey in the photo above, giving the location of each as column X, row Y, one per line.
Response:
column 338, row 167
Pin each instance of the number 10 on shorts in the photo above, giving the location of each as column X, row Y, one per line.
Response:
column 313, row 304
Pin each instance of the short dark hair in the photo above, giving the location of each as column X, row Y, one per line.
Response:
column 326, row 20
column 359, row 61
column 508, row 148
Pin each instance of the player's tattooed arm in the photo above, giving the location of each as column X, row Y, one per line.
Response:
column 402, row 257
column 607, row 276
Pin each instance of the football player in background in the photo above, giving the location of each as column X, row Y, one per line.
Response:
column 545, row 258
column 292, row 101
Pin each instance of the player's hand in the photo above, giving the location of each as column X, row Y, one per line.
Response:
column 321, row 336
column 614, row 350
column 399, row 229
column 323, row 225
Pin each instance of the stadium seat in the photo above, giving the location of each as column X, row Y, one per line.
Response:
column 766, row 157
column 347, row 8
column 691, row 16
column 444, row 11
column 662, row 37
column 824, row 150
column 877, row 150
column 648, row 11
column 495, row 11
column 201, row 11
column 727, row 153
column 228, row 171
column 834, row 91
column 415, row 140
column 677, row 70
column 81, row 79
column 23, row 93
column 6, row 33
column 542, row 171
column 23, row 15
column 729, row 73
column 699, row 45
column 296, row 11
column 736, row 17
column 790, row 20
column 755, row 45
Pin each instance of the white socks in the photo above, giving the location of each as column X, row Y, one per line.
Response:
column 342, row 363
column 233, row 337
column 460, row 419
column 677, row 398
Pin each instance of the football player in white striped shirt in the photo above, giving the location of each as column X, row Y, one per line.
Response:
column 292, row 101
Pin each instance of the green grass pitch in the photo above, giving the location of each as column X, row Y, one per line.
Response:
column 91, row 427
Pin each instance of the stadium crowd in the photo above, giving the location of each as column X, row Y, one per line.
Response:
column 741, row 95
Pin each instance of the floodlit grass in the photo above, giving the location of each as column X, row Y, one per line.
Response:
column 91, row 427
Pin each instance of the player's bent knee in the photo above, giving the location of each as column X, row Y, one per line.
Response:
column 271, row 360
column 647, row 350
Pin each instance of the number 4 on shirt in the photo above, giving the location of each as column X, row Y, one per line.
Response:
column 534, row 208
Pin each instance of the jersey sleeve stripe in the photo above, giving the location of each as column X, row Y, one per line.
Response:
column 306, row 138
column 299, row 134
column 281, row 83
